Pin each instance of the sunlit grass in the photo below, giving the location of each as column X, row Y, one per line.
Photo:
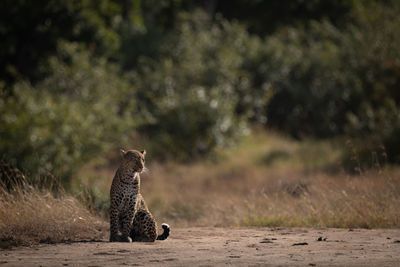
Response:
column 267, row 180
column 351, row 202
column 30, row 215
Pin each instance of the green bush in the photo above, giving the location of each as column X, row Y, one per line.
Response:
column 325, row 81
column 375, row 60
column 191, row 80
column 304, row 72
column 79, row 111
column 188, row 98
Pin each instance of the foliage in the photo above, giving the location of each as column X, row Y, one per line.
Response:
column 66, row 119
column 326, row 81
column 375, row 60
column 80, row 77
column 303, row 70
column 265, row 17
column 188, row 98
column 31, row 33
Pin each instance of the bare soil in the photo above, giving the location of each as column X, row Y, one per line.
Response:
column 224, row 246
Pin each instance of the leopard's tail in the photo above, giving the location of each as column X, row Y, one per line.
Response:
column 165, row 234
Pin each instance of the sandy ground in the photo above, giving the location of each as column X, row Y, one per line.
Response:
column 224, row 246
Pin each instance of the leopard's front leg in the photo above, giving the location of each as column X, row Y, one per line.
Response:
column 114, row 224
column 126, row 223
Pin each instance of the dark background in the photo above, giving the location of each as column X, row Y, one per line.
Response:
column 81, row 78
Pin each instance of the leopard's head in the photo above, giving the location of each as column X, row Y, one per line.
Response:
column 133, row 159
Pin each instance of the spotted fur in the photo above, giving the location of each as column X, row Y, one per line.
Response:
column 130, row 219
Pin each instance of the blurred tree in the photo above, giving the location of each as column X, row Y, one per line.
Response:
column 326, row 81
column 150, row 30
column 264, row 17
column 374, row 116
column 188, row 97
column 31, row 30
column 80, row 110
column 198, row 70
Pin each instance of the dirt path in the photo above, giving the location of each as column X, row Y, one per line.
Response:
column 224, row 246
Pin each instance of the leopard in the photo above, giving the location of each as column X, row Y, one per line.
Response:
column 130, row 218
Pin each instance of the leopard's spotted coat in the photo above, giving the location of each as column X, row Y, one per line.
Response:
column 130, row 219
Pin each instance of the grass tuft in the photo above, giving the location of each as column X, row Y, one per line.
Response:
column 30, row 215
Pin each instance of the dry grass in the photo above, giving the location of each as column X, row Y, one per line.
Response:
column 260, row 198
column 268, row 180
column 31, row 215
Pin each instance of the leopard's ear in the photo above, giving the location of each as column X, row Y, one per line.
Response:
column 143, row 152
column 123, row 152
